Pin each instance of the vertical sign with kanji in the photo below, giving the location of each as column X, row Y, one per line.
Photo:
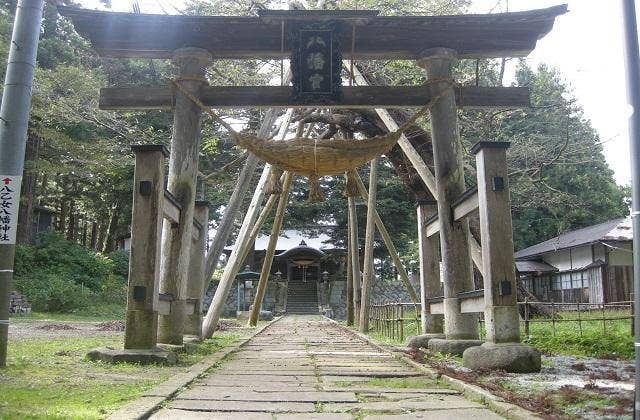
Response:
column 9, row 198
column 316, row 63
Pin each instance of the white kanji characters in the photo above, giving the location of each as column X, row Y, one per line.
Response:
column 315, row 80
column 315, row 40
column 315, row 61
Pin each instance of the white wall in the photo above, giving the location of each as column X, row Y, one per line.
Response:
column 598, row 252
column 566, row 259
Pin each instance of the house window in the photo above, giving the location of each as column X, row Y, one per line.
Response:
column 577, row 280
column 556, row 283
column 566, row 281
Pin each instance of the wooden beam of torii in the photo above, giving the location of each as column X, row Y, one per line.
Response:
column 252, row 37
column 354, row 97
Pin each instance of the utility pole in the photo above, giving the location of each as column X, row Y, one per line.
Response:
column 632, row 60
column 14, row 121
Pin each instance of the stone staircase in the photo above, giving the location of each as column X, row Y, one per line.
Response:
column 302, row 297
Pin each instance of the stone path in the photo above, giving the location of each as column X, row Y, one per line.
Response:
column 304, row 367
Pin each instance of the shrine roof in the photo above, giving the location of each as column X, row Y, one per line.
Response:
column 115, row 34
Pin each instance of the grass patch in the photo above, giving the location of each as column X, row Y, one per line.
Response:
column 52, row 379
column 401, row 383
column 613, row 340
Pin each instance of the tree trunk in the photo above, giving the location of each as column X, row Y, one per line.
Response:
column 62, row 219
column 109, row 243
column 28, row 191
column 102, row 234
column 71, row 225
column 94, row 235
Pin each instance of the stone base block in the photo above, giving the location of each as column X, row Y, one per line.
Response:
column 192, row 339
column 144, row 357
column 418, row 341
column 245, row 315
column 510, row 357
column 455, row 347
column 186, row 347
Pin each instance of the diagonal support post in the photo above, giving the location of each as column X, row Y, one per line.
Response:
column 271, row 250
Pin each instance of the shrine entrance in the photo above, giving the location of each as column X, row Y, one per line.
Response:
column 321, row 47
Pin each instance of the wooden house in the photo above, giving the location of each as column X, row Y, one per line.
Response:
column 589, row 265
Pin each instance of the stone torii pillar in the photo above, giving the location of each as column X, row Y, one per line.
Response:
column 183, row 168
column 196, row 283
column 432, row 324
column 461, row 330
column 144, row 260
column 502, row 349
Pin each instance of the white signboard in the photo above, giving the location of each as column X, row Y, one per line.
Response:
column 9, row 200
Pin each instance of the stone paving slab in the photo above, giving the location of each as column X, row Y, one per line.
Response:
column 290, row 370
column 315, row 416
column 171, row 414
column 332, row 379
column 218, row 383
column 255, row 406
column 269, row 387
column 261, row 378
column 205, row 393
column 363, row 389
column 367, row 374
column 269, row 372
column 475, row 414
column 444, row 402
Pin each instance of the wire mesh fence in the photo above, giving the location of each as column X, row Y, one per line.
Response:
column 398, row 320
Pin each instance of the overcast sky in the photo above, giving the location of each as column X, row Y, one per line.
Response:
column 585, row 45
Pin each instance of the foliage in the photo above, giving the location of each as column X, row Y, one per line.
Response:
column 120, row 260
column 62, row 276
column 559, row 177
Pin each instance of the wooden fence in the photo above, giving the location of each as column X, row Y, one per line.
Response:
column 391, row 320
column 398, row 320
column 578, row 313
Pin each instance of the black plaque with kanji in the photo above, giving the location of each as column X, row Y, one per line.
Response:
column 316, row 63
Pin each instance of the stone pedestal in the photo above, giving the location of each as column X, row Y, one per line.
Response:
column 510, row 357
column 422, row 341
column 144, row 357
column 454, row 347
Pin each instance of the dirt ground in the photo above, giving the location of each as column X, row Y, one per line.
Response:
column 32, row 329
column 20, row 329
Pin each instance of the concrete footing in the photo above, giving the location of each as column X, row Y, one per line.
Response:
column 510, row 357
column 455, row 347
column 422, row 341
column 144, row 357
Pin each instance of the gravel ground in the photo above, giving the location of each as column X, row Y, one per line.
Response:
column 573, row 377
column 564, row 370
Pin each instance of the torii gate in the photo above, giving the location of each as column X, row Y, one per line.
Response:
column 193, row 42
